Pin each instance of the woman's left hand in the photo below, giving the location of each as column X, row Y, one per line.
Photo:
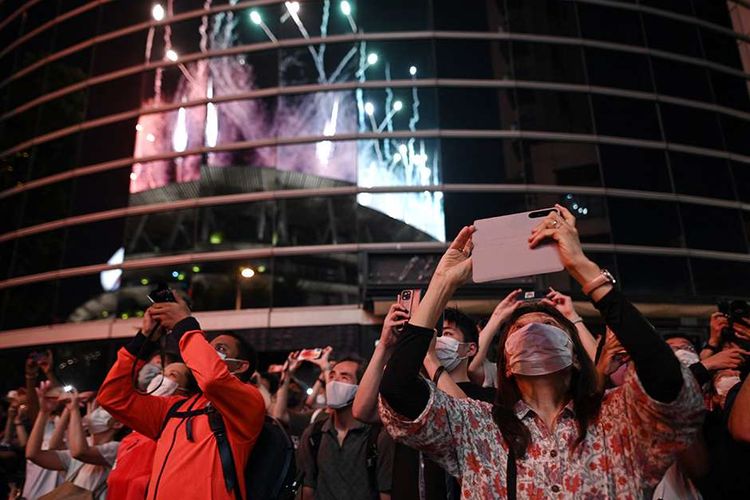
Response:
column 562, row 229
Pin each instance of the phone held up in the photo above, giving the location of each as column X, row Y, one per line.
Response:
column 409, row 300
column 310, row 354
column 161, row 293
column 501, row 248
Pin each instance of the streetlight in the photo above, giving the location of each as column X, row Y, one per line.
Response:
column 245, row 273
column 413, row 70
column 157, row 12
column 369, row 108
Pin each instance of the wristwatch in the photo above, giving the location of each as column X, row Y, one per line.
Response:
column 605, row 277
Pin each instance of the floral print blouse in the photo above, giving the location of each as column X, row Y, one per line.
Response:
column 626, row 451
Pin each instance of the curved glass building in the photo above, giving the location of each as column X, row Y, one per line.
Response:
column 293, row 164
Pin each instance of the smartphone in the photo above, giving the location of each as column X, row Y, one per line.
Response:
column 501, row 248
column 310, row 354
column 409, row 300
column 533, row 296
column 161, row 293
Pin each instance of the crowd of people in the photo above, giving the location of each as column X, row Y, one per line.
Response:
column 525, row 404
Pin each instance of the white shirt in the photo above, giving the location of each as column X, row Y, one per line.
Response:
column 676, row 486
column 40, row 481
column 490, row 374
column 90, row 476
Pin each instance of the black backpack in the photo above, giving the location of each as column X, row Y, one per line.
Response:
column 271, row 470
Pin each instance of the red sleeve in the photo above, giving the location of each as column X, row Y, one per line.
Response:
column 144, row 414
column 240, row 404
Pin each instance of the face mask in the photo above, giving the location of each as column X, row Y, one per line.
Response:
column 229, row 361
column 538, row 349
column 686, row 357
column 724, row 384
column 162, row 386
column 340, row 394
column 98, row 421
column 447, row 352
column 147, row 373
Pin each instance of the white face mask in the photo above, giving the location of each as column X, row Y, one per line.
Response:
column 724, row 384
column 447, row 352
column 230, row 361
column 538, row 349
column 162, row 386
column 147, row 373
column 98, row 421
column 340, row 394
column 687, row 357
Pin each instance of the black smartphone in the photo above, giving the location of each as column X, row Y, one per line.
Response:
column 533, row 295
column 161, row 293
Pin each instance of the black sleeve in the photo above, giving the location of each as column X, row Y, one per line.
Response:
column 140, row 347
column 402, row 386
column 656, row 365
column 701, row 373
column 183, row 326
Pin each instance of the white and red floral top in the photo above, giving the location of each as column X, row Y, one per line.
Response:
column 625, row 453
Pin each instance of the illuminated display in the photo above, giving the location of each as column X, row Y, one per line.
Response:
column 371, row 162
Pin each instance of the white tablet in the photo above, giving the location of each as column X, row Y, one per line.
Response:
column 501, row 248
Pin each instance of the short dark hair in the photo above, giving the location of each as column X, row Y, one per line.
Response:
column 463, row 322
column 355, row 358
column 245, row 351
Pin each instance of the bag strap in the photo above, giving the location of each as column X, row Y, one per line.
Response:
column 216, row 422
column 316, row 436
column 372, row 455
column 510, row 474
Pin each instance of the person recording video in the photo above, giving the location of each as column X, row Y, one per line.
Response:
column 552, row 431
column 190, row 454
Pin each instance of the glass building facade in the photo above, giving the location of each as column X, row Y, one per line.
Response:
column 333, row 146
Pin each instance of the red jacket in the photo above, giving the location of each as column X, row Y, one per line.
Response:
column 185, row 469
column 129, row 477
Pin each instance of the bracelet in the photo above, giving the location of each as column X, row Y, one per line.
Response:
column 579, row 320
column 712, row 348
column 438, row 373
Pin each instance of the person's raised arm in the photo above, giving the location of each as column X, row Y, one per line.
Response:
column 502, row 311
column 240, row 404
column 57, row 439
column 324, row 363
column 280, row 409
column 79, row 446
column 564, row 304
column 739, row 416
column 365, row 407
column 656, row 365
column 402, row 387
column 47, row 459
column 32, row 401
column 719, row 321
column 142, row 413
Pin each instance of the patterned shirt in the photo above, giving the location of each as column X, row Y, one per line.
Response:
column 626, row 451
